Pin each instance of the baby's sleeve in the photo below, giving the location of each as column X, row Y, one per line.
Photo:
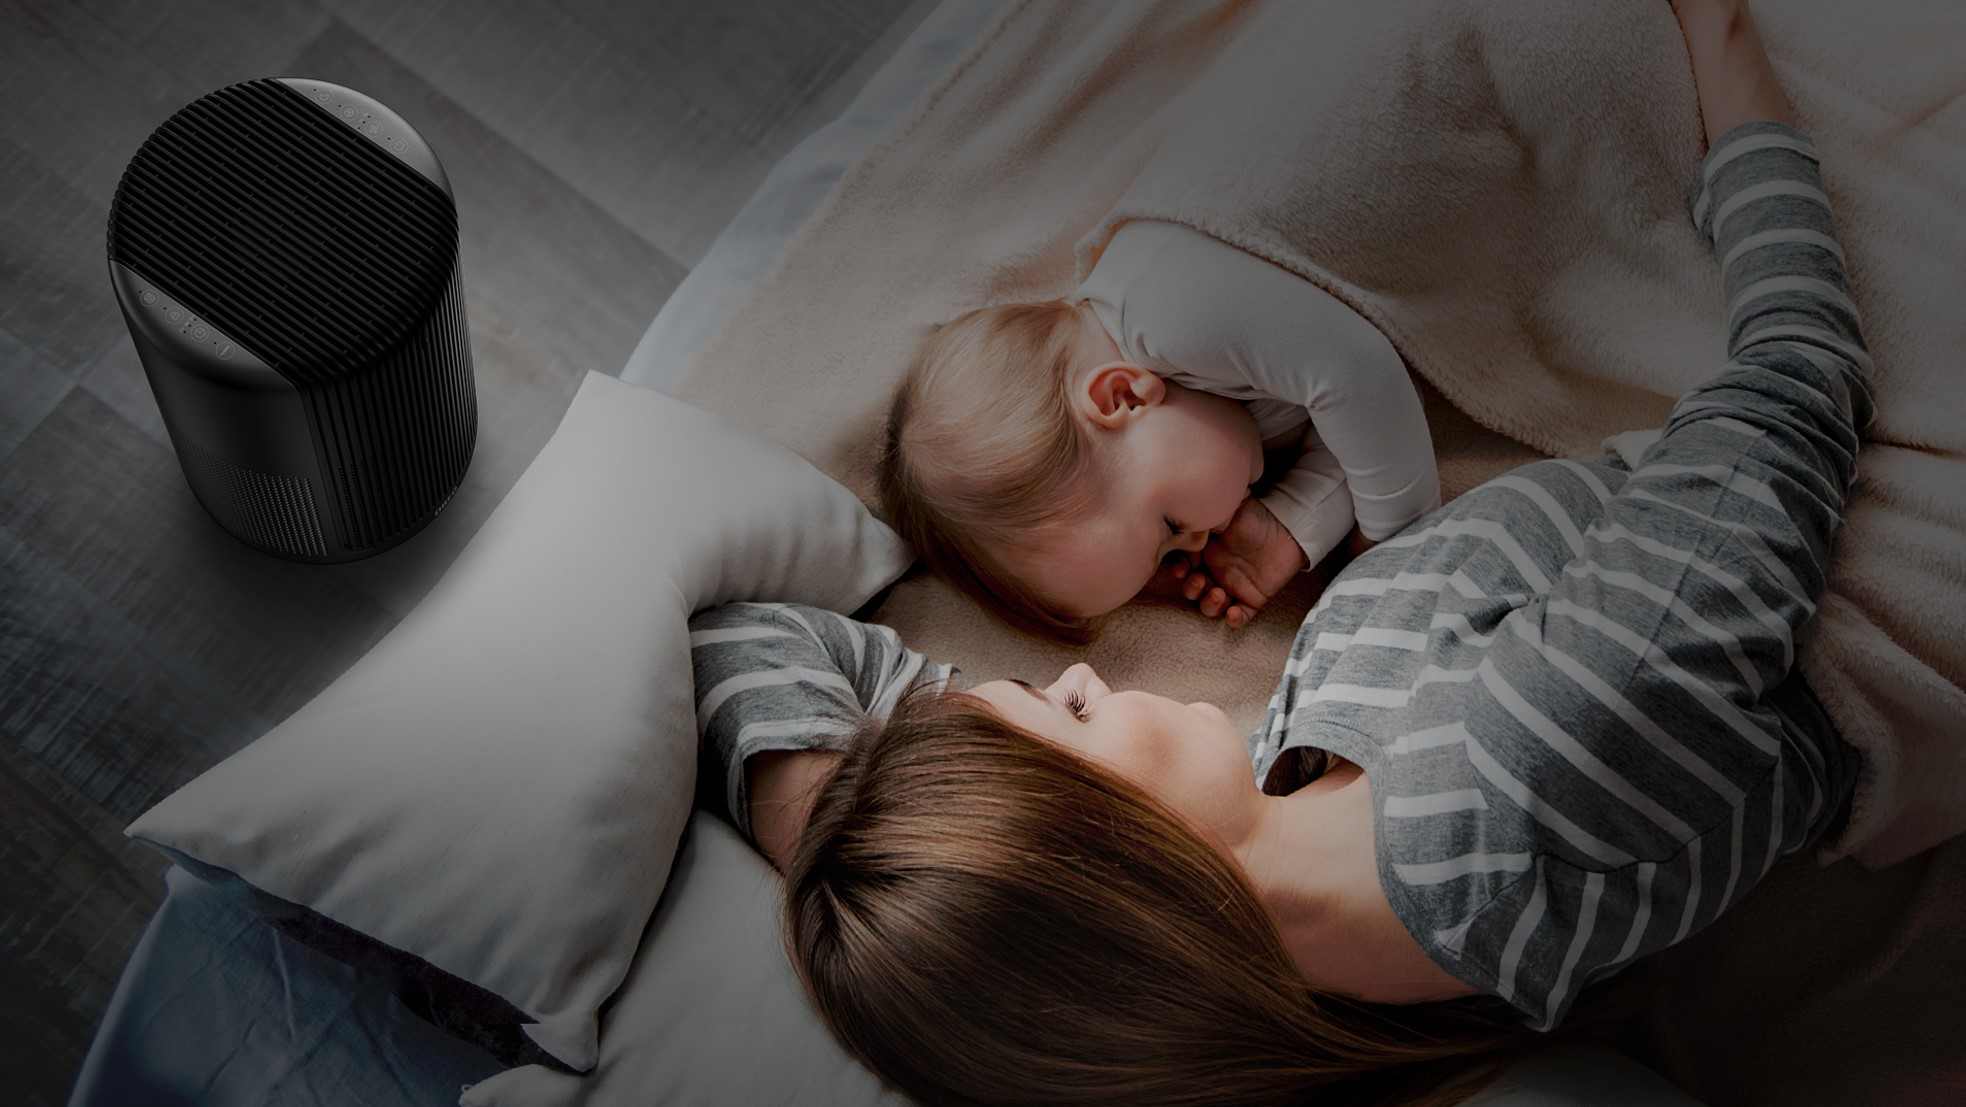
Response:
column 1255, row 330
column 1312, row 501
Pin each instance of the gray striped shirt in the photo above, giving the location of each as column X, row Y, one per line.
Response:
column 1573, row 688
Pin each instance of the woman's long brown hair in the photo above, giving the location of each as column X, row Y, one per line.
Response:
column 984, row 917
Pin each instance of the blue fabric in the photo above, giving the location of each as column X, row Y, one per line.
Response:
column 217, row 1009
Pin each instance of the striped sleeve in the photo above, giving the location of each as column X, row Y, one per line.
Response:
column 1633, row 729
column 1794, row 336
column 790, row 677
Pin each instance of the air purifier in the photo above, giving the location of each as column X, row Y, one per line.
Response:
column 285, row 252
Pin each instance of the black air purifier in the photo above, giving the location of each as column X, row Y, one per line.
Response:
column 285, row 252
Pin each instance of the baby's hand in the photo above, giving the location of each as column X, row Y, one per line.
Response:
column 1244, row 566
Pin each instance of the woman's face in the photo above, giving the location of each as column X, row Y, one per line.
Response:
column 1188, row 756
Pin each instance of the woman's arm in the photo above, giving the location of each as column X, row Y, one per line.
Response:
column 1736, row 82
column 783, row 784
column 780, row 689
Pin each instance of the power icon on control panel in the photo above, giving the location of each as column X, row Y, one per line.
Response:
column 225, row 351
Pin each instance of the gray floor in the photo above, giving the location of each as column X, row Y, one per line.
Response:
column 597, row 147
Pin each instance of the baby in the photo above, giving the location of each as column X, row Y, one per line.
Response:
column 1049, row 458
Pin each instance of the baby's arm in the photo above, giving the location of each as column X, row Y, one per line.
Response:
column 1313, row 501
column 1368, row 435
column 1284, row 337
column 1246, row 327
column 1304, row 514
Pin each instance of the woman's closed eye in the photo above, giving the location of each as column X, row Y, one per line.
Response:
column 1073, row 700
column 1075, row 703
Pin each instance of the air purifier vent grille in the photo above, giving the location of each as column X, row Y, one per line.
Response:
column 399, row 437
column 278, row 224
column 275, row 512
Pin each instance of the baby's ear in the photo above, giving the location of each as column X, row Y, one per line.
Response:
column 1116, row 391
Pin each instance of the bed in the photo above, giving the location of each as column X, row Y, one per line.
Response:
column 218, row 1006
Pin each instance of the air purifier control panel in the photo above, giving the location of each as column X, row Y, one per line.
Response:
column 188, row 335
column 367, row 117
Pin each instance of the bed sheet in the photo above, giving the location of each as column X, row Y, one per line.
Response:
column 218, row 1009
column 793, row 190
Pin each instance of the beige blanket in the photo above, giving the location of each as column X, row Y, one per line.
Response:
column 1502, row 188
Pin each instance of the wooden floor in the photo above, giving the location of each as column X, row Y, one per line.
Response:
column 597, row 147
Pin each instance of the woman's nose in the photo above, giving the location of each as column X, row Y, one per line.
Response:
column 1081, row 679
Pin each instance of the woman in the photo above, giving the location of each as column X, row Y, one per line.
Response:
column 1549, row 729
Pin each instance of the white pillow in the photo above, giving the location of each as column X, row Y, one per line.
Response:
column 711, row 1011
column 497, row 789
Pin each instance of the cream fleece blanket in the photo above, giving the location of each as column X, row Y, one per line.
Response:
column 1502, row 188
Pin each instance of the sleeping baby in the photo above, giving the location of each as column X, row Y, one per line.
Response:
column 1050, row 458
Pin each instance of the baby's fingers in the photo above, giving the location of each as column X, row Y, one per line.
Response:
column 1213, row 604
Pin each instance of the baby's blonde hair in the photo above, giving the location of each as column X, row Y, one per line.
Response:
column 983, row 449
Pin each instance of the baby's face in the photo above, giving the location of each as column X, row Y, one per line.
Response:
column 1176, row 476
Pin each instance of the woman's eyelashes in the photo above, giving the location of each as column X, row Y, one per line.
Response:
column 1073, row 700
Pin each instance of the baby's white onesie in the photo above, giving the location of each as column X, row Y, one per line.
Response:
column 1208, row 316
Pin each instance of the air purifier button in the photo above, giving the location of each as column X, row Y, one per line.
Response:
column 199, row 333
column 225, row 351
column 174, row 315
column 149, row 299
